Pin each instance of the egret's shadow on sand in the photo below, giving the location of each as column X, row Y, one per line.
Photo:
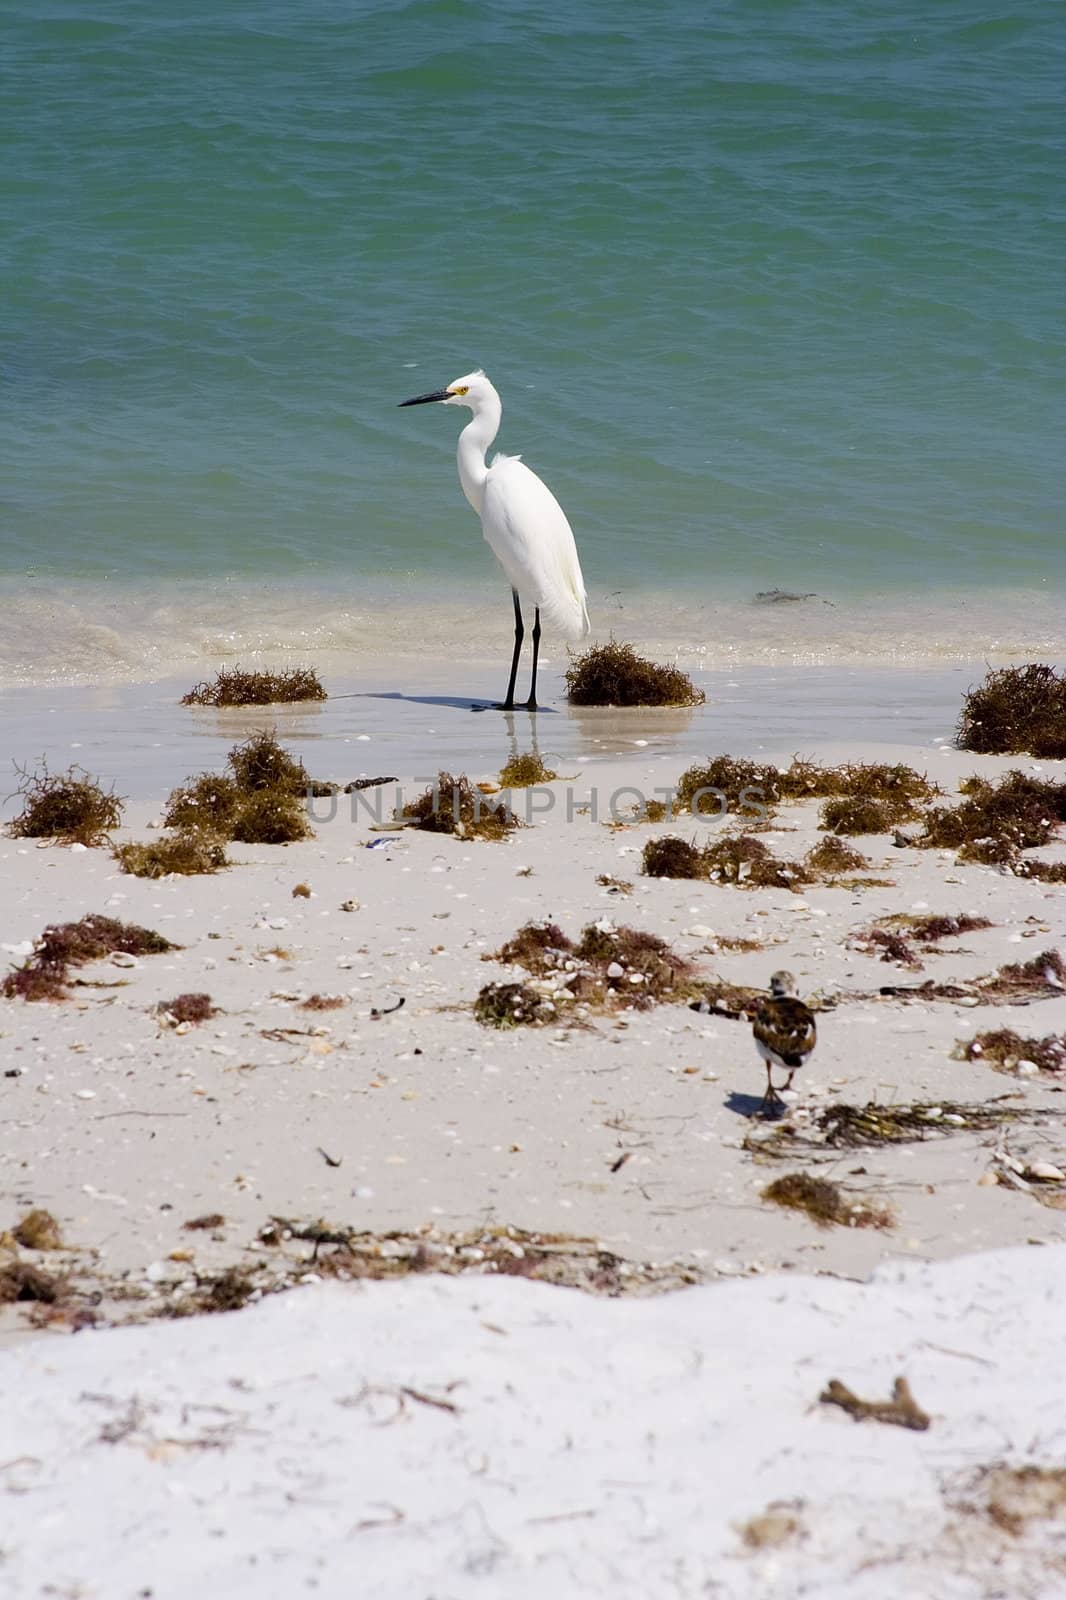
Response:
column 450, row 702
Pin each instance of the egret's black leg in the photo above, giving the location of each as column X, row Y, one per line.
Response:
column 531, row 703
column 519, row 635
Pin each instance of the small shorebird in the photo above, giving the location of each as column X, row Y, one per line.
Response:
column 785, row 1034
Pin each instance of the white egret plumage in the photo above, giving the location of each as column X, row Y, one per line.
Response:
column 523, row 523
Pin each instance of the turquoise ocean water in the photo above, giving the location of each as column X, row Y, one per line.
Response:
column 771, row 291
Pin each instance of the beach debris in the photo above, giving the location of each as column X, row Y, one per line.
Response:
column 720, row 998
column 22, row 1281
column 523, row 770
column 38, row 1230
column 457, row 806
column 995, row 822
column 614, row 674
column 738, row 859
column 780, row 597
column 239, row 686
column 673, row 858
column 574, row 1261
column 210, row 1221
column 357, row 785
column 513, row 1005
column 621, row 886
column 301, row 891
column 825, row 1203
column 260, row 800
column 894, row 939
column 1006, row 1051
column 778, row 1525
column 186, row 1008
column 228, row 1290
column 387, row 1011
column 1013, row 1497
column 1040, row 871
column 71, row 807
column 608, row 968
column 831, row 856
column 727, row 783
column 902, row 1409
column 1018, row 983
column 331, row 1161
column 324, row 1002
column 46, row 974
column 186, row 853
column 843, row 1126
column 746, row 862
column 1016, row 710
column 350, row 905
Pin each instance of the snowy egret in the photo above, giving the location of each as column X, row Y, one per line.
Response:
column 523, row 523
column 785, row 1033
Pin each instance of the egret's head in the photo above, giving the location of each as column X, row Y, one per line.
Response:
column 469, row 391
column 782, row 984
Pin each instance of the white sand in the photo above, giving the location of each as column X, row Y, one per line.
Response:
column 124, row 1130
column 597, row 1448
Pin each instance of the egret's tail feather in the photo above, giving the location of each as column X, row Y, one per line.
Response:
column 567, row 614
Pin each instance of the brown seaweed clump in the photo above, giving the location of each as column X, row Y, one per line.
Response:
column 606, row 969
column 38, row 1230
column 1040, row 871
column 271, row 816
column 614, row 675
column 876, row 795
column 20, row 1281
column 857, row 814
column 71, row 807
column 186, row 854
column 208, row 802
column 824, row 1202
column 523, row 770
column 831, row 856
column 673, row 858
column 930, row 929
column 260, row 762
column 746, row 861
column 260, row 801
column 512, row 1005
column 191, row 1008
column 727, row 784
column 236, row 686
column 1016, row 710
column 893, row 939
column 995, row 821
column 1004, row 1051
column 324, row 1002
column 46, row 974
column 457, row 806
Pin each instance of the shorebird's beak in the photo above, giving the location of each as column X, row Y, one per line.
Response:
column 424, row 399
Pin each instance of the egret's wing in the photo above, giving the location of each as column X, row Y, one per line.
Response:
column 528, row 533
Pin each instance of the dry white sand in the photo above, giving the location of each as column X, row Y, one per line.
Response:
column 466, row 1438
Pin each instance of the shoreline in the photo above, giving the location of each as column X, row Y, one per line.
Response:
column 107, row 634
column 411, row 719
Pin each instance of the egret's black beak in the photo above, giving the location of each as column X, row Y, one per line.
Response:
column 424, row 399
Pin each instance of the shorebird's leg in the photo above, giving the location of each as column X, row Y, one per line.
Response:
column 769, row 1099
column 519, row 635
column 531, row 703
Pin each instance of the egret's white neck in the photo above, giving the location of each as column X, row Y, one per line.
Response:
column 474, row 441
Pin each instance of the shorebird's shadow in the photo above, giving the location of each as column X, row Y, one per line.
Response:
column 746, row 1105
column 451, row 702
